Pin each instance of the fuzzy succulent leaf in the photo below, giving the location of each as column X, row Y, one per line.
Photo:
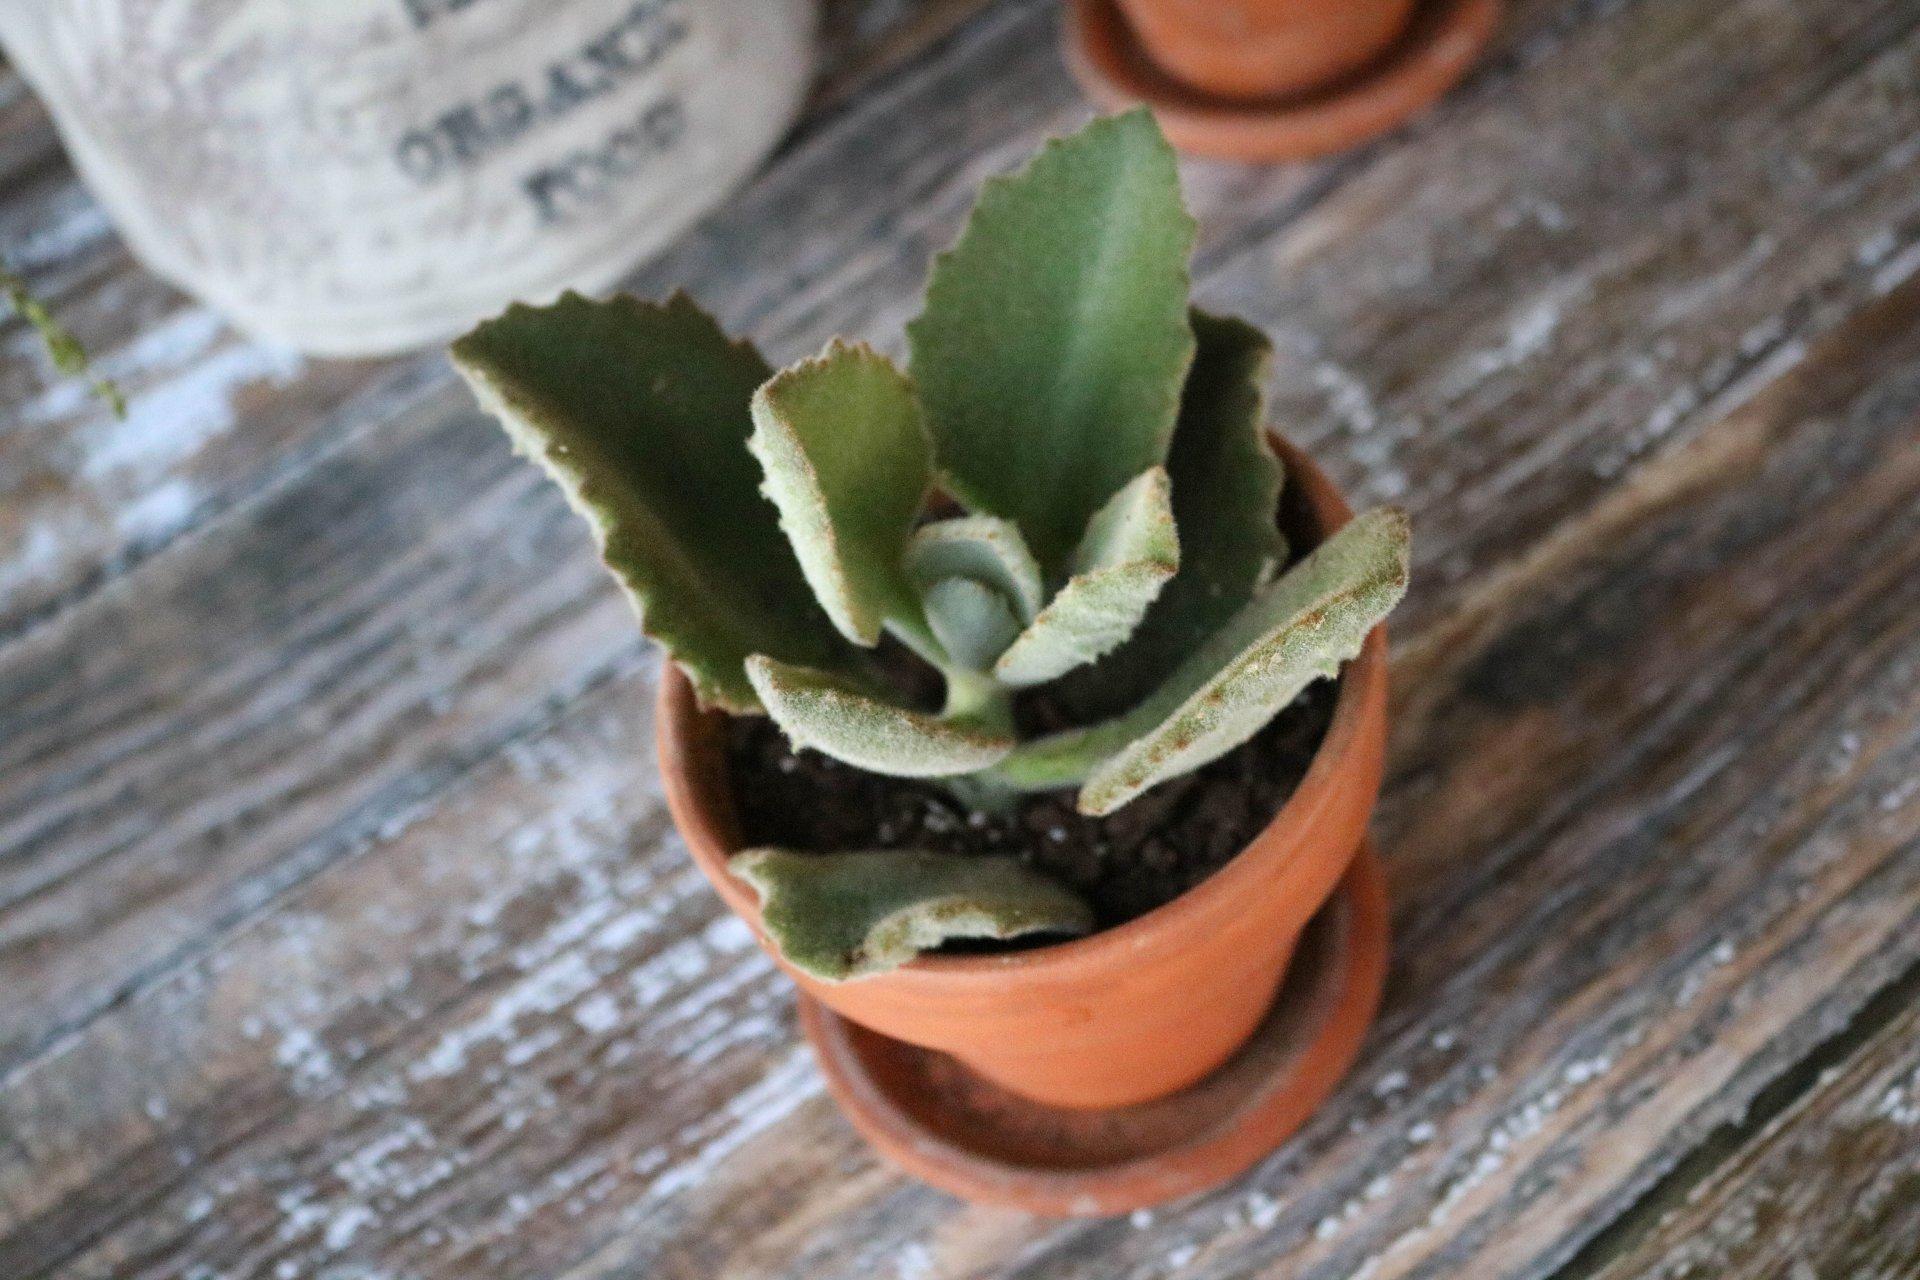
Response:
column 640, row 413
column 972, row 622
column 1226, row 488
column 834, row 715
column 846, row 915
column 986, row 549
column 1300, row 629
column 1129, row 551
column 1054, row 342
column 848, row 465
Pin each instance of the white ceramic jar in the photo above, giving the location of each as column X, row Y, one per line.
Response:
column 363, row 176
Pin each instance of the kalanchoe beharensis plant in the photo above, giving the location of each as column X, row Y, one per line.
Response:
column 1115, row 541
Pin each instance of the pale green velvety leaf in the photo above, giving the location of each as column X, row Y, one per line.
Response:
column 640, row 413
column 1053, row 346
column 833, row 715
column 846, row 915
column 1300, row 629
column 1129, row 551
column 972, row 622
column 1226, row 491
column 985, row 548
column 848, row 465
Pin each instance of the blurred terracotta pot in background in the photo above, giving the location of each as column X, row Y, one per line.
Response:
column 1275, row 79
column 1265, row 48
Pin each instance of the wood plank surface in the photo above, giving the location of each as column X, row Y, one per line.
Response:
column 343, row 931
column 1830, row 1187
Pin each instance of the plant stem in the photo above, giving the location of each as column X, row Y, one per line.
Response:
column 977, row 699
column 1061, row 759
column 981, row 794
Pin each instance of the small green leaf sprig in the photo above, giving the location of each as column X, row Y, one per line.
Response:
column 68, row 356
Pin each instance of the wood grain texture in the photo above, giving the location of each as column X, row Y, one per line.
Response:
column 343, row 932
column 1829, row 1187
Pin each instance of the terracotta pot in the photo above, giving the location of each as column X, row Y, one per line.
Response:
column 1132, row 1013
column 946, row 1126
column 1268, row 80
column 1265, row 48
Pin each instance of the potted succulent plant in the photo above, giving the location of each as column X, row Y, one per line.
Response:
column 995, row 705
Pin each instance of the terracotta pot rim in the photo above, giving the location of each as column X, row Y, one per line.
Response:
column 1273, row 856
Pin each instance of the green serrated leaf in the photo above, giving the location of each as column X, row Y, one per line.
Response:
column 972, row 622
column 1300, row 629
column 1054, row 342
column 834, row 715
column 1226, row 489
column 848, row 465
column 640, row 413
column 1128, row 553
column 847, row 915
column 988, row 550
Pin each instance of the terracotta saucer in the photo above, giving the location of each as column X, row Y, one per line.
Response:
column 948, row 1127
column 1444, row 41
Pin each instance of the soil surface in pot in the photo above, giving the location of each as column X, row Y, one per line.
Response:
column 1126, row 864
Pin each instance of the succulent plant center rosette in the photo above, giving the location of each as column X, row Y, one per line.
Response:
column 1116, row 544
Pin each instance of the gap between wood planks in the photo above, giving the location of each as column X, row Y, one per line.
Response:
column 1726, row 1141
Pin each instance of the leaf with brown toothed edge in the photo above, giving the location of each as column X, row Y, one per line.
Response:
column 1300, row 629
column 1129, row 551
column 833, row 715
column 1297, row 630
column 1054, row 341
column 640, row 412
column 839, row 916
column 1226, row 489
column 848, row 465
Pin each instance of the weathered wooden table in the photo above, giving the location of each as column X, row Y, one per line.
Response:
column 343, row 934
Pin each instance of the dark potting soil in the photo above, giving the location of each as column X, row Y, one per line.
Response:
column 1146, row 854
